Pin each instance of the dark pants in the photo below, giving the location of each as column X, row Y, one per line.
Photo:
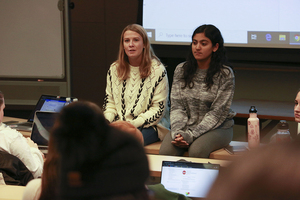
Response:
column 149, row 134
column 202, row 146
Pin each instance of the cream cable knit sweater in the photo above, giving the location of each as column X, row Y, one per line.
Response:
column 142, row 102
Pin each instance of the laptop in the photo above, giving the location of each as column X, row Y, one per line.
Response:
column 45, row 103
column 42, row 125
column 189, row 178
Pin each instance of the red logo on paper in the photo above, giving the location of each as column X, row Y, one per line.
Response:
column 183, row 172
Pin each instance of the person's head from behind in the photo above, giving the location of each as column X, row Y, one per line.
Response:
column 207, row 44
column 80, row 121
column 135, row 49
column 297, row 107
column 129, row 128
column 96, row 160
column 2, row 106
column 269, row 172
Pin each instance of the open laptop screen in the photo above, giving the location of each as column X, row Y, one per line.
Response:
column 53, row 105
column 48, row 103
column 187, row 178
column 42, row 125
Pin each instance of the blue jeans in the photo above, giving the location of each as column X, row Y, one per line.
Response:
column 149, row 134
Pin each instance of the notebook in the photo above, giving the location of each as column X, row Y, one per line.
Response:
column 45, row 103
column 189, row 178
column 42, row 125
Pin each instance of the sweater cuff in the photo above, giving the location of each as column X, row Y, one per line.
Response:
column 110, row 117
column 138, row 122
column 173, row 134
column 188, row 136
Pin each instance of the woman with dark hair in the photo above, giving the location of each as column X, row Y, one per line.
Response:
column 137, row 86
column 88, row 159
column 201, row 96
column 14, row 143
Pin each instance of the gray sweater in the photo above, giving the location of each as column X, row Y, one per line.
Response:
column 196, row 111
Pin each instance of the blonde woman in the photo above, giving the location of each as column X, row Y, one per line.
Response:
column 137, row 86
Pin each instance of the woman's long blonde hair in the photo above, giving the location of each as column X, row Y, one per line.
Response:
column 147, row 54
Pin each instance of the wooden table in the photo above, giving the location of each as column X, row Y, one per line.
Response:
column 11, row 192
column 266, row 110
column 155, row 162
column 6, row 119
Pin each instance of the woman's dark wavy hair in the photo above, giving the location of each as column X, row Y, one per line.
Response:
column 81, row 129
column 77, row 138
column 218, row 58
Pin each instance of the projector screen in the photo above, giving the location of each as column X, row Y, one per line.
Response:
column 243, row 23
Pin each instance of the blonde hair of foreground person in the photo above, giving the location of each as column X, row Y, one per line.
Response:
column 270, row 172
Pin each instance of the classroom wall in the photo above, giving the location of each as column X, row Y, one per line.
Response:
column 96, row 26
column 33, row 37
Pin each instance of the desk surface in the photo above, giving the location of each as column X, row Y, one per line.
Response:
column 6, row 119
column 11, row 192
column 274, row 110
column 155, row 162
column 223, row 154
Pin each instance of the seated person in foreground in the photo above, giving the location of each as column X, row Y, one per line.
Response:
column 201, row 96
column 156, row 191
column 14, row 143
column 270, row 172
column 129, row 128
column 88, row 159
column 13, row 170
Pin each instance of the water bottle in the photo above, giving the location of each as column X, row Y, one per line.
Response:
column 283, row 133
column 253, row 128
column 68, row 101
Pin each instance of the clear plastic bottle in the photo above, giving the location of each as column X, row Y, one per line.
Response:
column 282, row 134
column 68, row 101
column 253, row 129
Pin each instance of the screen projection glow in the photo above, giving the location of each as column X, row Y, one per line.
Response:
column 255, row 23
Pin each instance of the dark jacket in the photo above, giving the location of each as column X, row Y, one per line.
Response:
column 13, row 170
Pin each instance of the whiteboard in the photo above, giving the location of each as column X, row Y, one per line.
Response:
column 31, row 39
